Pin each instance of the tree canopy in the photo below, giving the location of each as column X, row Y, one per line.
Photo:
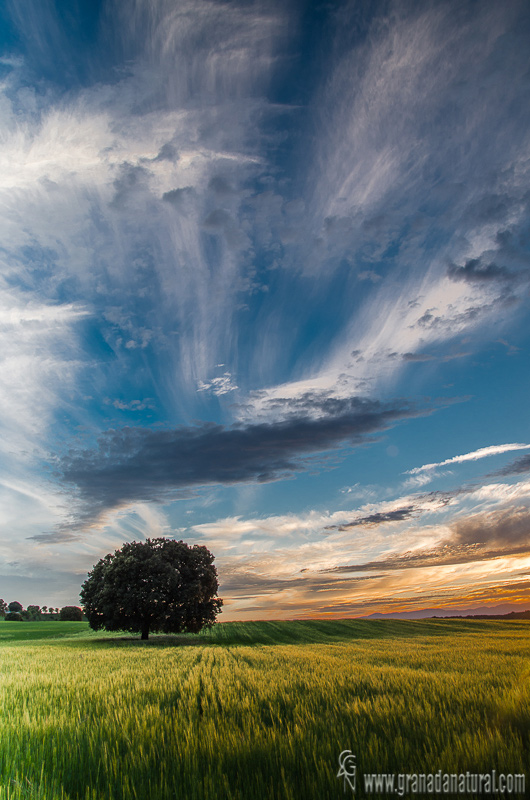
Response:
column 71, row 614
column 157, row 585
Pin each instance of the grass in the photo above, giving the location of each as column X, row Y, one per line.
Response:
column 257, row 710
column 11, row 632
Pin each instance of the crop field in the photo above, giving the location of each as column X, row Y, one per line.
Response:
column 257, row 710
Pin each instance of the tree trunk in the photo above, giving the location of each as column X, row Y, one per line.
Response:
column 145, row 631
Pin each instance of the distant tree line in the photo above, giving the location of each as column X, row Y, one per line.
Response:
column 15, row 612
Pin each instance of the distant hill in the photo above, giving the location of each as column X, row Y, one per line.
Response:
column 481, row 612
column 511, row 615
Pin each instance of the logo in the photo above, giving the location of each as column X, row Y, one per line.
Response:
column 347, row 769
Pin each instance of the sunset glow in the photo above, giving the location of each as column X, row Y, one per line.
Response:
column 264, row 287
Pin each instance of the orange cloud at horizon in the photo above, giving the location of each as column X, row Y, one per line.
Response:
column 451, row 588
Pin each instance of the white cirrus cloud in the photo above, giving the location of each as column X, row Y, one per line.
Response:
column 475, row 455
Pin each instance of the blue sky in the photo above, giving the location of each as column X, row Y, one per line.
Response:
column 264, row 286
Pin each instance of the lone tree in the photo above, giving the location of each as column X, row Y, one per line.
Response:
column 15, row 607
column 156, row 585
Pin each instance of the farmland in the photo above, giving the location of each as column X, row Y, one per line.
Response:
column 257, row 710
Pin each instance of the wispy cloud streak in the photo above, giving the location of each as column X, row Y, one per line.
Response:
column 475, row 455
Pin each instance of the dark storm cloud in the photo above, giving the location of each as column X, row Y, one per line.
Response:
column 475, row 271
column 418, row 357
column 139, row 464
column 167, row 152
column 181, row 199
column 476, row 313
column 397, row 515
column 517, row 467
column 505, row 529
column 414, row 509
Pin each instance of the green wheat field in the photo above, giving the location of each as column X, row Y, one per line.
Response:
column 257, row 710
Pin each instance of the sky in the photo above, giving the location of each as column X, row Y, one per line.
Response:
column 264, row 284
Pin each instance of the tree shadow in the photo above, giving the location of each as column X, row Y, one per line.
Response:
column 275, row 633
column 158, row 640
